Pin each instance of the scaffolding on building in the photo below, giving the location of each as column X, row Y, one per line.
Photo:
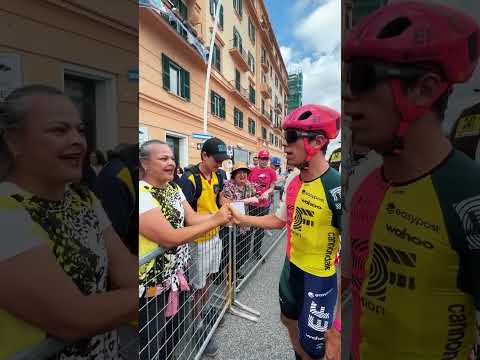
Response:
column 295, row 90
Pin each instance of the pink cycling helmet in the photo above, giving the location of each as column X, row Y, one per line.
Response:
column 422, row 34
column 414, row 32
column 314, row 118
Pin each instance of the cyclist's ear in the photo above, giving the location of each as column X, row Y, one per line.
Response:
column 319, row 141
column 425, row 90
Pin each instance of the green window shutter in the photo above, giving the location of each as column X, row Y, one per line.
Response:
column 240, row 7
column 222, row 108
column 212, row 6
column 221, row 16
column 254, row 95
column 241, row 120
column 185, row 81
column 212, row 102
column 183, row 10
column 166, row 72
column 217, row 56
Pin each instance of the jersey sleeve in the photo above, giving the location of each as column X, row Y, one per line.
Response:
column 461, row 209
column 333, row 191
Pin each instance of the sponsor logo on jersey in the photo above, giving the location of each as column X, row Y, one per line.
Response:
column 392, row 209
column 336, row 193
column 469, row 212
column 311, row 295
column 309, row 203
column 457, row 324
column 329, row 256
column 403, row 234
column 318, row 319
column 313, row 196
column 302, row 218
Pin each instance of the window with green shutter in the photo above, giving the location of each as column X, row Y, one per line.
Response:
column 264, row 133
column 175, row 79
column 166, row 71
column 217, row 104
column 251, row 30
column 237, row 5
column 216, row 57
column 251, row 62
column 238, row 80
column 251, row 94
column 213, row 6
column 251, row 126
column 237, row 39
column 238, row 118
column 185, row 84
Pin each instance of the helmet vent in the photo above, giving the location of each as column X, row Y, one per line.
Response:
column 395, row 28
column 305, row 115
column 473, row 46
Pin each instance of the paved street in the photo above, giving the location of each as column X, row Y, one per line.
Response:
column 241, row 339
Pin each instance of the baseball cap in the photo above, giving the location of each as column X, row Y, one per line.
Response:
column 216, row 148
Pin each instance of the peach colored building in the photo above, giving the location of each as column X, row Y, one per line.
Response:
column 248, row 84
column 86, row 48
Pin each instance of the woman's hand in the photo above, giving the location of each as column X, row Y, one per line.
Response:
column 224, row 215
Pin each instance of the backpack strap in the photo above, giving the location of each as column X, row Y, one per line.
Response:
column 195, row 171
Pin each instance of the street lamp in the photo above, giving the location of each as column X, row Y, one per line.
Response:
column 209, row 67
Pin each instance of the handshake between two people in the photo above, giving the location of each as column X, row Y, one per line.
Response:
column 228, row 215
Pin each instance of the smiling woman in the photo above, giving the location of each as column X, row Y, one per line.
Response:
column 64, row 252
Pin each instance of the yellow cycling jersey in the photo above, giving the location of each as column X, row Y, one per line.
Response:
column 415, row 272
column 312, row 211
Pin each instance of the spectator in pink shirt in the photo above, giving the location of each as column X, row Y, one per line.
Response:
column 263, row 177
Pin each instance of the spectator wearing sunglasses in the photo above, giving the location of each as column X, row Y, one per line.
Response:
column 414, row 233
column 263, row 177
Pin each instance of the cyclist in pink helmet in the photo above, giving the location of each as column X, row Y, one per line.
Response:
column 414, row 233
column 311, row 210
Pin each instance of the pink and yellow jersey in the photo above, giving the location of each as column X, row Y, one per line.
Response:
column 312, row 211
column 416, row 264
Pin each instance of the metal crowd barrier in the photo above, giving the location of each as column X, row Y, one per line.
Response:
column 185, row 335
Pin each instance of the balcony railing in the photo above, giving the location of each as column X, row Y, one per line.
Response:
column 239, row 55
column 239, row 90
column 177, row 24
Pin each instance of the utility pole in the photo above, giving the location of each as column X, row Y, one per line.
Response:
column 218, row 4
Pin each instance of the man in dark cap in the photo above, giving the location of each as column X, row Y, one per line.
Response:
column 202, row 185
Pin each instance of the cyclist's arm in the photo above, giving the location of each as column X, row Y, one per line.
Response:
column 269, row 221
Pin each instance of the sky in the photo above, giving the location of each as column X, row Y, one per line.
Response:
column 309, row 38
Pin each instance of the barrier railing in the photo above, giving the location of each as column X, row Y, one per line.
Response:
column 178, row 321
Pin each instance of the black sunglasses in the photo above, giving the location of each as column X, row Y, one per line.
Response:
column 292, row 135
column 364, row 75
column 263, row 158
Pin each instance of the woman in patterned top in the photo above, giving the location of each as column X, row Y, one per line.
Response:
column 64, row 272
column 239, row 189
column 163, row 212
